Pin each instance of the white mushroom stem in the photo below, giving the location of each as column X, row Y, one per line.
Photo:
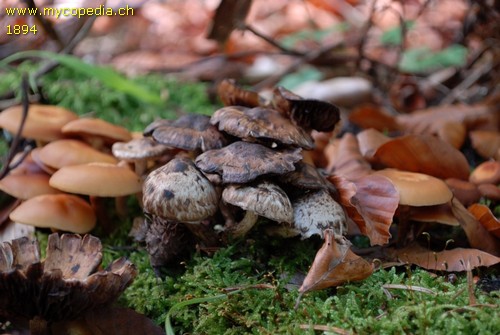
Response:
column 243, row 227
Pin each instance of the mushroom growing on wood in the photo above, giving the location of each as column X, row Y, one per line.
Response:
column 241, row 162
column 65, row 286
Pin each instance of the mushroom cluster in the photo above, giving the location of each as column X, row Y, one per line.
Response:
column 60, row 183
column 64, row 286
column 244, row 162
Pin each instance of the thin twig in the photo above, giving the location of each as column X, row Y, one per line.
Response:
column 47, row 25
column 274, row 43
column 386, row 287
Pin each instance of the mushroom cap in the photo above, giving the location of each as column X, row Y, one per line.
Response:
column 307, row 113
column 317, row 211
column 97, row 127
column 148, row 131
column 178, row 191
column 59, row 211
column 486, row 173
column 25, row 186
column 241, row 162
column 417, row 189
column 44, row 122
column 265, row 199
column 65, row 152
column 305, row 177
column 263, row 124
column 96, row 179
column 139, row 149
column 190, row 132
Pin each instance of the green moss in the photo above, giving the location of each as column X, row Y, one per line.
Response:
column 245, row 288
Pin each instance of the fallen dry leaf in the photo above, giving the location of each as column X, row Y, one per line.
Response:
column 453, row 260
column 477, row 235
column 376, row 201
column 372, row 116
column 486, row 218
column 425, row 154
column 348, row 161
column 334, row 265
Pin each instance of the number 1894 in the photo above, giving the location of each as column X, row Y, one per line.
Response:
column 21, row 29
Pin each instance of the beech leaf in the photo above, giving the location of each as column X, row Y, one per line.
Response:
column 486, row 218
column 334, row 265
column 453, row 260
column 425, row 154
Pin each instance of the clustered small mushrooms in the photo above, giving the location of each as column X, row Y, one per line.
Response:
column 244, row 162
column 71, row 167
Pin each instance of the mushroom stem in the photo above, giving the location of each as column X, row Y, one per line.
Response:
column 243, row 227
column 121, row 207
column 39, row 326
column 102, row 215
column 204, row 233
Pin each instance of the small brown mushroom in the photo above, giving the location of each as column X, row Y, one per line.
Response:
column 64, row 152
column 178, row 191
column 263, row 199
column 139, row 151
column 242, row 162
column 64, row 212
column 43, row 123
column 190, row 132
column 262, row 125
column 486, row 173
column 98, row 133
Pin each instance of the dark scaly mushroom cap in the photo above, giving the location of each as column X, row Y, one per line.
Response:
column 307, row 113
column 178, row 191
column 65, row 285
column 305, row 177
column 265, row 199
column 241, row 162
column 233, row 95
column 139, row 149
column 315, row 212
column 148, row 131
column 190, row 132
column 262, row 124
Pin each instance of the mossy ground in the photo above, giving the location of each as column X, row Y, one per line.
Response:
column 245, row 288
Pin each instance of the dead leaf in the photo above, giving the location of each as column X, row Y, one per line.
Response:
column 486, row 218
column 233, row 95
column 425, row 154
column 477, row 235
column 334, row 265
column 348, row 161
column 230, row 15
column 454, row 260
column 376, row 200
column 369, row 141
column 372, row 116
column 430, row 120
